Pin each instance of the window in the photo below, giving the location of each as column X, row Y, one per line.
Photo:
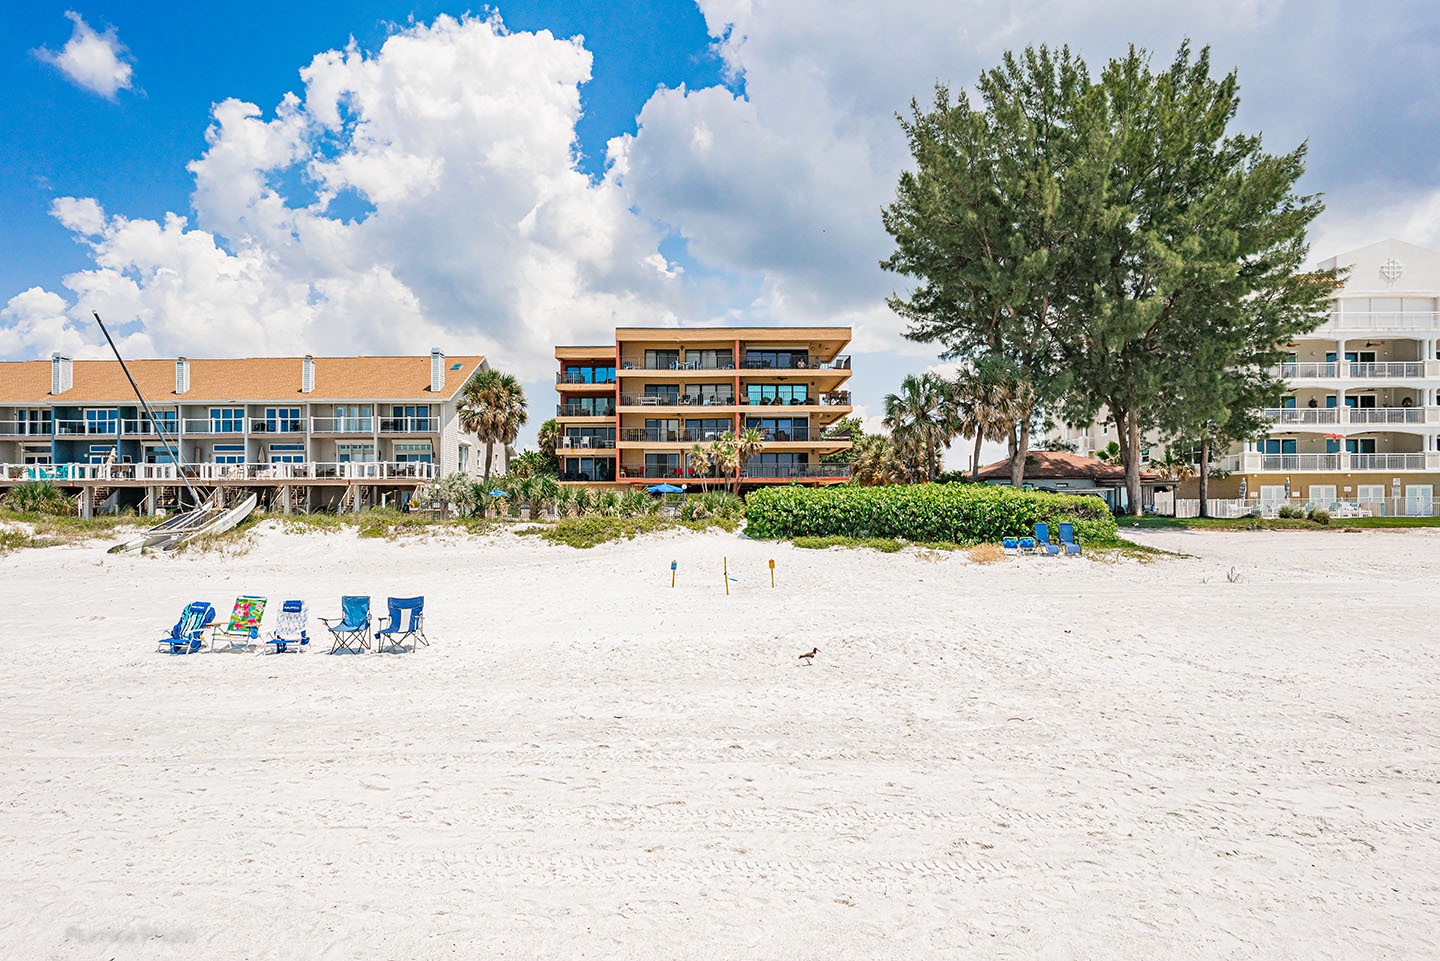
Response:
column 668, row 393
column 287, row 453
column 710, row 394
column 413, row 454
column 781, row 428
column 353, row 419
column 589, row 469
column 1322, row 495
column 659, row 429
column 283, row 420
column 102, row 421
column 784, row 358
column 589, row 374
column 1357, row 445
column 99, row 453
column 1370, row 494
column 33, row 423
column 158, row 454
column 162, row 423
column 709, row 428
column 777, row 394
column 710, row 359
column 464, row 460
column 355, row 453
column 777, row 465
column 227, row 420
column 413, row 418
column 589, row 407
column 229, row 453
column 586, row 437
column 35, row 455
column 1276, row 446
column 662, row 465
column 662, row 359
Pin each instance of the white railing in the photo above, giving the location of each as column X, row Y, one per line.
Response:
column 342, row 425
column 1304, row 415
column 1407, row 461
column 1387, row 415
column 143, row 427
column 1348, row 370
column 377, row 470
column 277, row 425
column 1218, row 507
column 1382, row 320
column 1307, row 370
column 24, row 428
column 217, row 425
column 1388, row 370
column 1253, row 462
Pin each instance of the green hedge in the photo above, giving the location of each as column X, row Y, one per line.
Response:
column 962, row 513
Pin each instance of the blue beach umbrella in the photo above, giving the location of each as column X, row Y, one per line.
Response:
column 497, row 493
column 665, row 489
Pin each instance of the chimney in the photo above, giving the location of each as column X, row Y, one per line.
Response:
column 307, row 375
column 62, row 373
column 182, row 376
column 437, row 370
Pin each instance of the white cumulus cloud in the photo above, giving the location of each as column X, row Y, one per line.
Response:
column 91, row 60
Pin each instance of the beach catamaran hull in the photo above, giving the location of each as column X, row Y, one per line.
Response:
column 183, row 528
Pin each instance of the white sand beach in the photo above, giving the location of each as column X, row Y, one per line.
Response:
column 1233, row 754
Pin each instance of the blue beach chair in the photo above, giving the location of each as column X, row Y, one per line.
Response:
column 292, row 628
column 1027, row 545
column 1042, row 541
column 187, row 636
column 350, row 631
column 1068, row 541
column 1010, row 545
column 405, row 620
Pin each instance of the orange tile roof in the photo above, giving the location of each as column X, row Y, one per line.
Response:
column 249, row 379
column 1058, row 465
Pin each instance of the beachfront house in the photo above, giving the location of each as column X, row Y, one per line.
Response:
column 302, row 432
column 1358, row 429
column 630, row 412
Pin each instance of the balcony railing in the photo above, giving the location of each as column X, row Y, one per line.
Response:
column 379, row 470
column 278, row 425
column 1388, row 462
column 1385, row 415
column 1383, row 320
column 639, row 363
column 795, row 471
column 586, row 443
column 24, row 428
column 1308, row 371
column 677, row 400
column 1255, row 462
column 1331, row 416
column 83, row 428
column 342, row 425
column 1312, row 416
column 1387, row 370
column 409, row 425
column 144, row 427
column 576, row 410
column 206, row 425
column 1384, row 370
column 567, row 377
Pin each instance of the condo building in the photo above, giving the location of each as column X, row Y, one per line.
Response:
column 631, row 412
column 1358, row 429
column 302, row 432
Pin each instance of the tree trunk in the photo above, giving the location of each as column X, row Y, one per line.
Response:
column 1129, row 424
column 1205, row 476
column 975, row 462
column 489, row 447
column 1019, row 449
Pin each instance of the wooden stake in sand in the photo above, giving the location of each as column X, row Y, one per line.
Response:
column 772, row 573
column 725, row 569
column 672, row 574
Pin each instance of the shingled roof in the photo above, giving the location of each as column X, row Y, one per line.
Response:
column 247, row 379
column 1055, row 465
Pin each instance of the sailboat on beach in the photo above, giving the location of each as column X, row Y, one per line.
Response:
column 209, row 516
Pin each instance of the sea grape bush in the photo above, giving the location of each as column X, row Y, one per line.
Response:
column 962, row 513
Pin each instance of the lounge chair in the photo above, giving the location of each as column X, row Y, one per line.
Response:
column 1042, row 541
column 350, row 631
column 1068, row 541
column 243, row 629
column 1010, row 545
column 405, row 620
column 187, row 636
column 292, row 628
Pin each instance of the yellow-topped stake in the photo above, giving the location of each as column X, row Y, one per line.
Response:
column 772, row 573
column 725, row 568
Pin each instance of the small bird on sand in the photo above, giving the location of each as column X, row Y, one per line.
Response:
column 809, row 656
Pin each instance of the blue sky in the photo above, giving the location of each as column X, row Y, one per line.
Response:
column 384, row 177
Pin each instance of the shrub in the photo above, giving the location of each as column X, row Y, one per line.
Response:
column 39, row 497
column 1290, row 511
column 1320, row 516
column 956, row 513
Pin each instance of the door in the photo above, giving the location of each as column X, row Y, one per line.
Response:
column 1272, row 496
column 1419, row 500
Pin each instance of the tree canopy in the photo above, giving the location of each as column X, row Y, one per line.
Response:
column 1110, row 240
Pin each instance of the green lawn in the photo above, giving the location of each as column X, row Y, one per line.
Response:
column 1273, row 523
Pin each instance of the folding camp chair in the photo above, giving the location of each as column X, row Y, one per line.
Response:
column 186, row 637
column 1068, row 541
column 1042, row 541
column 1010, row 545
column 243, row 628
column 350, row 631
column 1027, row 545
column 405, row 620
column 293, row 627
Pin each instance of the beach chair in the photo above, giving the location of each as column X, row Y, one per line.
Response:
column 1010, row 545
column 1068, row 541
column 1042, row 541
column 351, row 630
column 243, row 629
column 405, row 620
column 187, row 636
column 292, row 628
column 1027, row 545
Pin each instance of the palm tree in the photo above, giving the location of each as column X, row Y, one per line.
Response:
column 921, row 414
column 874, row 463
column 492, row 407
column 700, row 458
column 748, row 443
column 989, row 399
column 724, row 456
